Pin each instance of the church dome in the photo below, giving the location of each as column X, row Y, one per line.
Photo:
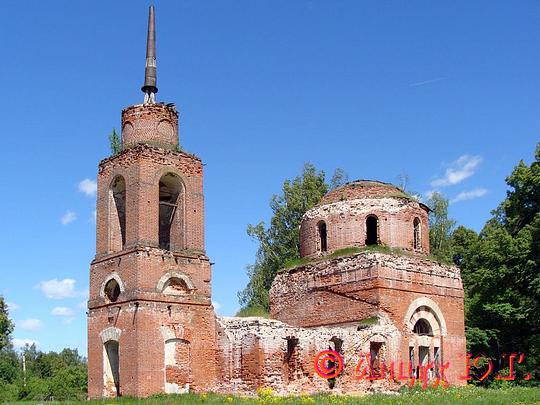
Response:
column 363, row 213
column 362, row 189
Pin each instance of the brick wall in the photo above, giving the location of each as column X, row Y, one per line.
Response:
column 142, row 166
column 165, row 294
column 346, row 224
column 154, row 124
column 347, row 290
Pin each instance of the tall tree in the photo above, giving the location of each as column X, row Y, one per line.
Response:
column 6, row 326
column 501, row 271
column 440, row 227
column 279, row 243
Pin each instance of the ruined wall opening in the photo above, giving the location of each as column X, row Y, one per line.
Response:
column 170, row 212
column 117, row 214
column 112, row 290
column 177, row 366
column 338, row 344
column 372, row 230
column 292, row 359
column 417, row 237
column 375, row 358
column 111, row 369
column 323, row 240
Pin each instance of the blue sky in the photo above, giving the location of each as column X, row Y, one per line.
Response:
column 446, row 92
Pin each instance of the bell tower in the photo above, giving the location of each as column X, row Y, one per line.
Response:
column 151, row 325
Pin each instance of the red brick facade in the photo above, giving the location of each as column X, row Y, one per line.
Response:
column 151, row 325
column 421, row 298
column 345, row 212
column 150, row 318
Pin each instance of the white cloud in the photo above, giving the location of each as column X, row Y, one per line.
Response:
column 62, row 311
column 469, row 195
column 30, row 324
column 88, row 187
column 83, row 304
column 458, row 171
column 12, row 306
column 20, row 343
column 68, row 217
column 58, row 289
column 67, row 321
column 216, row 305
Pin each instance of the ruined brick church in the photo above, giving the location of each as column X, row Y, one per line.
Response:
column 151, row 324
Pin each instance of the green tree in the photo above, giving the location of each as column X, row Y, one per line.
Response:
column 279, row 243
column 501, row 272
column 440, row 227
column 115, row 143
column 6, row 326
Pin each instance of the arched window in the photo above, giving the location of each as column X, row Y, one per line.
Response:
column 117, row 214
column 112, row 290
column 176, row 286
column 111, row 369
column 417, row 235
column 323, row 236
column 170, row 212
column 372, row 230
column 422, row 328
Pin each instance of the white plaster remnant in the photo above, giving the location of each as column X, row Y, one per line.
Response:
column 360, row 206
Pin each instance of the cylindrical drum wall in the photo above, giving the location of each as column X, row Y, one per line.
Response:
column 357, row 216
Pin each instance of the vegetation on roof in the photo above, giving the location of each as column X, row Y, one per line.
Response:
column 367, row 322
column 253, row 310
column 351, row 251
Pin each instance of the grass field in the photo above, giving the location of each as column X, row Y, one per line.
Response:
column 467, row 395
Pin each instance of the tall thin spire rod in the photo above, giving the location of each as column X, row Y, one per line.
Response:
column 150, row 73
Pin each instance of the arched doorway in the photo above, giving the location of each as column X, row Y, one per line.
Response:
column 427, row 327
column 111, row 369
column 177, row 366
column 372, row 230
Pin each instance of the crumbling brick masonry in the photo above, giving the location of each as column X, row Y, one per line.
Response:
column 151, row 325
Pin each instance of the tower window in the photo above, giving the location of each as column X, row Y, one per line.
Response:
column 323, row 236
column 175, row 286
column 170, row 224
column 372, row 230
column 112, row 290
column 117, row 214
column 417, row 236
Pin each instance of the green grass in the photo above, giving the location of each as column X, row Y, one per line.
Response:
column 254, row 310
column 350, row 251
column 467, row 395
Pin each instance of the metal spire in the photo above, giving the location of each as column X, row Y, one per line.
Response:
column 150, row 73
